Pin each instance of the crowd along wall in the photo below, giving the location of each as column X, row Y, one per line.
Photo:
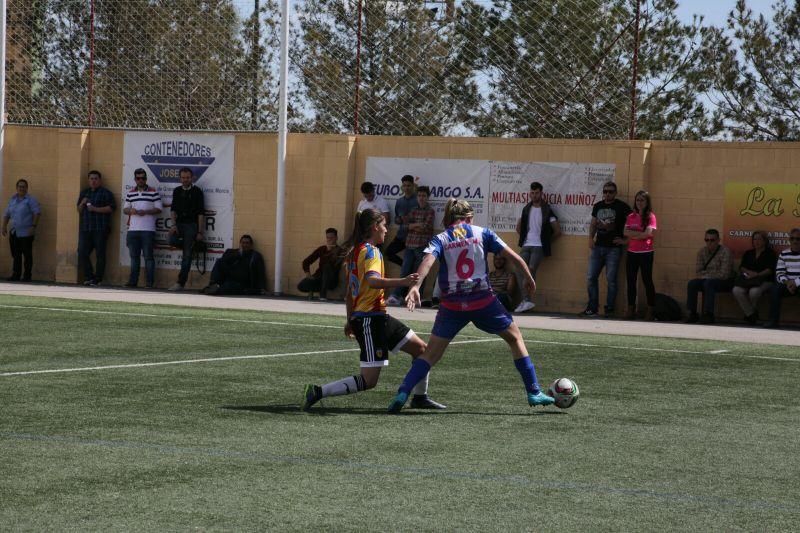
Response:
column 686, row 181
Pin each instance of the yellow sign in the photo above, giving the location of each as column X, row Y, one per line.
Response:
column 774, row 208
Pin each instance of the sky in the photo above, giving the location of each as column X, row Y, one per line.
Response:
column 716, row 11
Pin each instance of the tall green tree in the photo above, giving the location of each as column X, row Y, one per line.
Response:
column 414, row 72
column 552, row 69
column 671, row 83
column 754, row 67
column 170, row 64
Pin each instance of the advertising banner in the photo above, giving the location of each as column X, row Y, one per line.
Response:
column 498, row 190
column 447, row 178
column 774, row 208
column 571, row 189
column 162, row 155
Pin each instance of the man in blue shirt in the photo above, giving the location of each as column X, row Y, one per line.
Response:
column 95, row 205
column 403, row 208
column 23, row 212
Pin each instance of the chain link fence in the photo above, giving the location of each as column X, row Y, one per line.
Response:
column 545, row 68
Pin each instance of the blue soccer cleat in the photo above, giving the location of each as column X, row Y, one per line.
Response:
column 540, row 398
column 399, row 402
column 311, row 395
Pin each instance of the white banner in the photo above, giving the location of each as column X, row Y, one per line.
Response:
column 498, row 190
column 447, row 178
column 162, row 155
column 571, row 189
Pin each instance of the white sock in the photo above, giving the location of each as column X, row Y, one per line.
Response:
column 348, row 385
column 421, row 388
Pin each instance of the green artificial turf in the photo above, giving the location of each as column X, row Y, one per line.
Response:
column 666, row 434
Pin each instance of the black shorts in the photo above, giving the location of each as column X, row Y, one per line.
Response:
column 377, row 336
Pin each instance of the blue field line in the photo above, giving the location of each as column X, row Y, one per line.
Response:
column 730, row 504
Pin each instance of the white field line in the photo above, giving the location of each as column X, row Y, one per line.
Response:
column 189, row 317
column 180, row 317
column 205, row 360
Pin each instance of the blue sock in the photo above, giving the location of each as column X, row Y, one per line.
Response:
column 528, row 373
column 419, row 369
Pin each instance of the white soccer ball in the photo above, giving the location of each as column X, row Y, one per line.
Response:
column 564, row 391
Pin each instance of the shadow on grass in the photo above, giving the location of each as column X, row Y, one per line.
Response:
column 372, row 411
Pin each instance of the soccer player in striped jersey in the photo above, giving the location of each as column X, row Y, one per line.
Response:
column 377, row 333
column 467, row 297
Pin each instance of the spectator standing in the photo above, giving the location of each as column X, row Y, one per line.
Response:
column 640, row 228
column 326, row 277
column 420, row 231
column 95, row 205
column 142, row 204
column 502, row 281
column 239, row 271
column 23, row 212
column 787, row 276
column 756, row 272
column 373, row 201
column 402, row 209
column 188, row 208
column 537, row 228
column 606, row 238
column 714, row 269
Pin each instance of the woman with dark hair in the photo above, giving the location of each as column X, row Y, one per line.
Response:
column 755, row 275
column 377, row 333
column 640, row 226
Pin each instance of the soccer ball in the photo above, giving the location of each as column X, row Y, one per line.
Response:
column 564, row 391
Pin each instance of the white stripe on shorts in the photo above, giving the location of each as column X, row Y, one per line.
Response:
column 369, row 346
column 403, row 341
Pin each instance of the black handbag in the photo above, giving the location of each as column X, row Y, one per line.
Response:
column 746, row 282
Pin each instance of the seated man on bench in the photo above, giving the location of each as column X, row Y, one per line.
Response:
column 239, row 271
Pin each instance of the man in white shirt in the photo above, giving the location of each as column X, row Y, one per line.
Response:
column 142, row 204
column 537, row 228
column 373, row 201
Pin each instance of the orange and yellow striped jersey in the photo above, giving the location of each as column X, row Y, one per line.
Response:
column 366, row 261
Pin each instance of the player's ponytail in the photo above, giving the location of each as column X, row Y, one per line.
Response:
column 361, row 229
column 456, row 210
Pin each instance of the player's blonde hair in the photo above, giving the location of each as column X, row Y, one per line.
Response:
column 456, row 210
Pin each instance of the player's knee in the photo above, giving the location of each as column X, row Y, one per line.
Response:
column 415, row 347
column 370, row 382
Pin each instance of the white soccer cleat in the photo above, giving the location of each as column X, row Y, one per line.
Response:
column 524, row 305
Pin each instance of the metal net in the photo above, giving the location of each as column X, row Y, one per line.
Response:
column 545, row 68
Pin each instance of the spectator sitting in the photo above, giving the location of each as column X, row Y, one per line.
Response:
column 326, row 277
column 714, row 267
column 755, row 275
column 239, row 271
column 787, row 276
column 503, row 282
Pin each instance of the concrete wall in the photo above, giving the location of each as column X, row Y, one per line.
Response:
column 686, row 182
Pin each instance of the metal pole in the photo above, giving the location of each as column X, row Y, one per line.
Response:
column 255, row 53
column 91, row 63
column 2, row 85
column 634, row 78
column 282, row 133
column 358, row 72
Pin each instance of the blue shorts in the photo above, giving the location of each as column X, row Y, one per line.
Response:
column 492, row 318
